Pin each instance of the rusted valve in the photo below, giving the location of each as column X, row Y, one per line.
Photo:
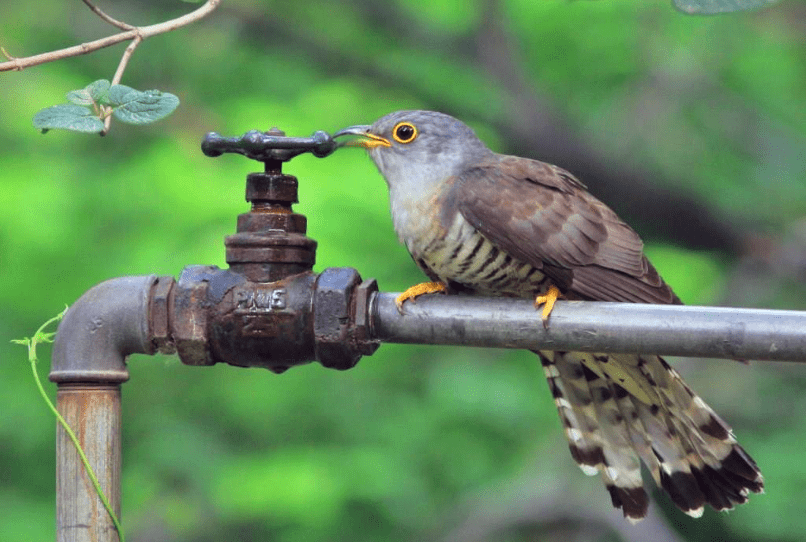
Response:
column 271, row 243
column 268, row 309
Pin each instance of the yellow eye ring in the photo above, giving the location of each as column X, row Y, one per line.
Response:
column 404, row 132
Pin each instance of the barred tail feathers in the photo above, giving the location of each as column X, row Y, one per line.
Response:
column 617, row 408
column 604, row 448
column 725, row 474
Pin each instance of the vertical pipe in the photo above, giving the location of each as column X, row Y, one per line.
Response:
column 110, row 321
column 94, row 414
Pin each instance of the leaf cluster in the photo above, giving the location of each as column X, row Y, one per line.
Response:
column 89, row 106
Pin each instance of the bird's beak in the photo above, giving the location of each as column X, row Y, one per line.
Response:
column 368, row 140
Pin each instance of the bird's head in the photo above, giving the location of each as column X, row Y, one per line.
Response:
column 423, row 147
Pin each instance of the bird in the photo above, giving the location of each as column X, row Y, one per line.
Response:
column 482, row 223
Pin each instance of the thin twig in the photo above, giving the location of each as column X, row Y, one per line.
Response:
column 114, row 22
column 124, row 60
column 142, row 32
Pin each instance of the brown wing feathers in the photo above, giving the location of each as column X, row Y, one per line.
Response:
column 542, row 215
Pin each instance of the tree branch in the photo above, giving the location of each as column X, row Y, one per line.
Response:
column 136, row 33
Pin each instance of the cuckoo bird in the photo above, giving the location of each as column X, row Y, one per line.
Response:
column 489, row 224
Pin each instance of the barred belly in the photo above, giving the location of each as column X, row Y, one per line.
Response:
column 465, row 257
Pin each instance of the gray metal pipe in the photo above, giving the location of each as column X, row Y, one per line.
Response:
column 674, row 330
column 109, row 322
column 138, row 314
column 106, row 324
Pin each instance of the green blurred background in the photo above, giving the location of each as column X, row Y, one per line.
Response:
column 693, row 129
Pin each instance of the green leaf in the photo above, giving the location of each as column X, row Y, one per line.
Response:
column 98, row 89
column 120, row 95
column 72, row 117
column 141, row 107
column 712, row 7
column 93, row 93
column 80, row 97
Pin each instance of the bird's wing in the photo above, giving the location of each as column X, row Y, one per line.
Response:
column 540, row 214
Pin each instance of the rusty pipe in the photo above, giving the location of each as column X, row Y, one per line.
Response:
column 109, row 322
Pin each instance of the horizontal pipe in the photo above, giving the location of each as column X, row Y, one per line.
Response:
column 672, row 330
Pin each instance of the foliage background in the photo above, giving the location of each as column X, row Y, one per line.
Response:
column 693, row 129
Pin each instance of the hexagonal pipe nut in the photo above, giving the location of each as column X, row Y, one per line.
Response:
column 332, row 308
column 190, row 316
column 158, row 310
column 361, row 333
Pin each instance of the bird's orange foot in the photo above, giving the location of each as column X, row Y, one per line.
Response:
column 547, row 301
column 418, row 290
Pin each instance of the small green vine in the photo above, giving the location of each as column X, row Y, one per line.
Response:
column 41, row 337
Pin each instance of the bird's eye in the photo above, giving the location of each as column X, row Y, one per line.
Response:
column 404, row 132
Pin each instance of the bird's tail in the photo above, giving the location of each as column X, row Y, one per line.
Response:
column 619, row 410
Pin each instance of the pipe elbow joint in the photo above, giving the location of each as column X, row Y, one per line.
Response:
column 105, row 325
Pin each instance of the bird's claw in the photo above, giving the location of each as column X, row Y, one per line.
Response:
column 547, row 300
column 416, row 291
